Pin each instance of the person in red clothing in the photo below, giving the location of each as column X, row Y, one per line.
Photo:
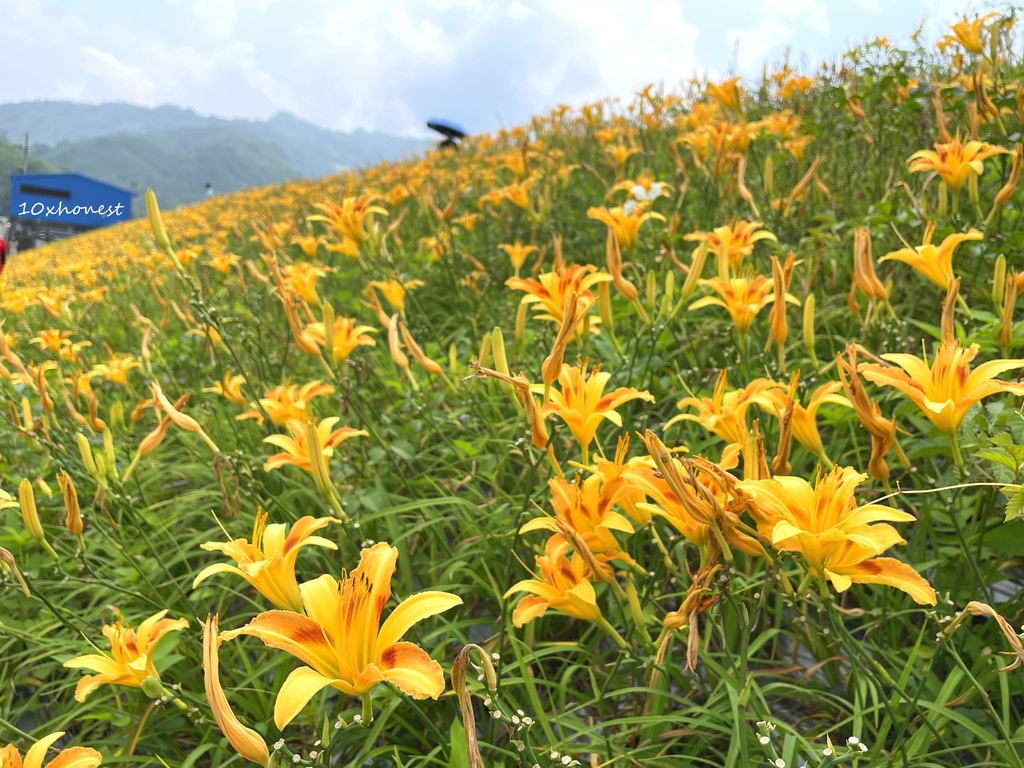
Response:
column 3, row 254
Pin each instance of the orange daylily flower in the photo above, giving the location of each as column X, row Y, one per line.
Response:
column 116, row 369
column 230, row 388
column 349, row 220
column 839, row 540
column 582, row 404
column 394, row 291
column 727, row 93
column 517, row 253
column 625, row 221
column 934, row 262
column 341, row 640
column 73, row 757
column 586, row 507
column 301, row 278
column 737, row 239
column 744, row 297
column 347, row 336
column 967, row 34
column 287, row 402
column 804, row 419
column 132, row 652
column 954, row 161
column 551, row 291
column 946, row 389
column 563, row 584
column 268, row 561
column 295, row 449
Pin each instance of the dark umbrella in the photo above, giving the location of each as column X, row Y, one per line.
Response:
column 451, row 131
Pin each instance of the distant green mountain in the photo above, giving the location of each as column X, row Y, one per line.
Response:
column 312, row 151
column 11, row 159
column 176, row 164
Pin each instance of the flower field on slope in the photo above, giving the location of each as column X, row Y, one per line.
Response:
column 682, row 431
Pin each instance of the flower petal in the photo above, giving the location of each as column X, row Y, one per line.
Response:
column 300, row 686
column 411, row 611
column 412, row 670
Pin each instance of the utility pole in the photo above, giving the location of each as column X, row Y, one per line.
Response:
column 24, row 159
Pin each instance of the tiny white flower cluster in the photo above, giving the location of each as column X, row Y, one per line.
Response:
column 558, row 759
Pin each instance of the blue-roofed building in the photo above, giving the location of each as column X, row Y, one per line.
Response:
column 46, row 206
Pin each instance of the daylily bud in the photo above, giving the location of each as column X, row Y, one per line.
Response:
column 180, row 419
column 152, row 687
column 521, row 315
column 87, row 458
column 697, row 261
column 395, row 348
column 318, row 467
column 117, row 415
column 1006, row 326
column 666, row 299
column 73, row 521
column 8, row 563
column 453, row 359
column 26, row 413
column 769, row 177
column 430, row 366
column 652, row 291
column 999, row 281
column 809, row 328
column 108, row 449
column 604, row 305
column 328, row 316
column 156, row 222
column 972, row 190
column 722, row 261
column 43, row 486
column 94, row 419
column 485, row 351
column 245, row 741
column 27, row 500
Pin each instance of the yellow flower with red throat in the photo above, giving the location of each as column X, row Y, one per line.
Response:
column 935, row 262
column 73, row 757
column 287, row 402
column 839, row 540
column 954, row 161
column 230, row 388
column 727, row 93
column 394, row 291
column 347, row 336
column 744, row 297
column 737, row 239
column 580, row 401
column 131, row 659
column 517, row 253
column 341, row 641
column 295, row 450
column 350, row 219
column 551, row 290
column 947, row 388
column 624, row 220
column 804, row 419
column 302, row 277
column 586, row 507
column 725, row 412
column 562, row 584
column 268, row 561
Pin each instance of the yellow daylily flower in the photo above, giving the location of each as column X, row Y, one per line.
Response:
column 394, row 291
column 349, row 219
column 347, row 336
column 737, row 239
column 51, row 339
column 585, row 506
column 302, row 278
column 268, row 561
column 230, row 388
column 727, row 93
column 295, row 450
column 563, row 584
column 287, row 402
column 580, row 401
column 131, row 651
column 624, row 221
column 954, row 161
column 804, row 419
column 946, row 389
column 223, row 262
column 341, row 639
column 934, row 262
column 967, row 34
column 517, row 253
column 116, row 369
column 743, row 297
column 552, row 290
column 73, row 757
column 839, row 540
column 245, row 741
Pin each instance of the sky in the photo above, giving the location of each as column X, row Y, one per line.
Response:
column 389, row 65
